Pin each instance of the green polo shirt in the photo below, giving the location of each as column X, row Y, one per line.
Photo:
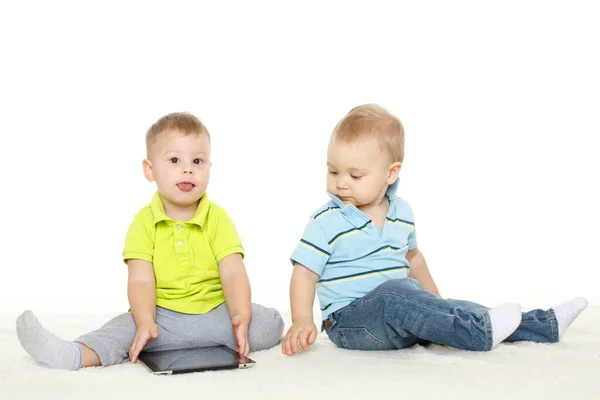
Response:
column 184, row 254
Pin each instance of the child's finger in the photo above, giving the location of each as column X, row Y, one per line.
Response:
column 303, row 337
column 242, row 347
column 131, row 350
column 241, row 342
column 246, row 346
column 134, row 354
column 283, row 342
column 134, row 351
column 139, row 346
column 312, row 337
column 241, row 334
column 286, row 344
column 294, row 342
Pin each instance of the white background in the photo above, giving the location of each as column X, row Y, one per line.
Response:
column 500, row 103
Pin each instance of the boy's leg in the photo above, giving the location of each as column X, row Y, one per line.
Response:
column 535, row 326
column 44, row 346
column 399, row 313
column 179, row 331
column 47, row 348
column 266, row 328
column 542, row 326
column 110, row 343
column 105, row 346
column 214, row 328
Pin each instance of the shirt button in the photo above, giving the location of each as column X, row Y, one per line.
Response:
column 178, row 226
column 180, row 243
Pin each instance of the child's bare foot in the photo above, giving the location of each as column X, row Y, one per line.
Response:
column 44, row 346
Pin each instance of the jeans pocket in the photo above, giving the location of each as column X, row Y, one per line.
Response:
column 360, row 339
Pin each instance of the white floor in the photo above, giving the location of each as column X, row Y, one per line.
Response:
column 568, row 370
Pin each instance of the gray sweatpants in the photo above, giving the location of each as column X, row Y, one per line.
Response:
column 178, row 331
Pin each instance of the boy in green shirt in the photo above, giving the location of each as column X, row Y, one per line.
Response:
column 187, row 283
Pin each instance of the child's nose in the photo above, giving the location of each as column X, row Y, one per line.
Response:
column 342, row 183
column 188, row 170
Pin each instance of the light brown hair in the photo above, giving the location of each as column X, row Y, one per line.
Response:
column 372, row 120
column 182, row 122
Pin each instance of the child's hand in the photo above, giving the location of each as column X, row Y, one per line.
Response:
column 303, row 330
column 143, row 334
column 240, row 333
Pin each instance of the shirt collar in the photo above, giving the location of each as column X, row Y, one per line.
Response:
column 354, row 215
column 390, row 193
column 158, row 210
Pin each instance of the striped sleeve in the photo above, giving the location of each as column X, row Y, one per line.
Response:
column 412, row 240
column 313, row 251
column 412, row 237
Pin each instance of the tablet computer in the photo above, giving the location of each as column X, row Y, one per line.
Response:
column 168, row 362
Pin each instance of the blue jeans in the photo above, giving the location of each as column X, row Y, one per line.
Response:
column 399, row 313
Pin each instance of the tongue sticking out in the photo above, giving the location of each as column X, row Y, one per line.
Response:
column 185, row 187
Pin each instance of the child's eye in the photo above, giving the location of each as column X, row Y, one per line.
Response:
column 198, row 161
column 355, row 177
column 333, row 172
column 174, row 160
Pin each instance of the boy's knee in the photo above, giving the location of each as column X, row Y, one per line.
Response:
column 266, row 328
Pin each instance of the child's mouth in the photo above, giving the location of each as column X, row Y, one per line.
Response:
column 185, row 186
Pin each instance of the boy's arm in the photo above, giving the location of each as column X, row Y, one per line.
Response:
column 236, row 288
column 302, row 298
column 141, row 291
column 420, row 271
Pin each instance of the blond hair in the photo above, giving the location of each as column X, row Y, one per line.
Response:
column 182, row 122
column 372, row 120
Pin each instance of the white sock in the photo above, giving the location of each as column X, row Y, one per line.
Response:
column 567, row 312
column 44, row 346
column 505, row 320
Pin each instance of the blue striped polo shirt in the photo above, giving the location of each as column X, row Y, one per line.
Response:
column 349, row 252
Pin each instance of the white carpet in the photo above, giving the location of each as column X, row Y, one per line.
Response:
column 568, row 370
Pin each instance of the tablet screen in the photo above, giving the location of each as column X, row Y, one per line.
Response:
column 195, row 359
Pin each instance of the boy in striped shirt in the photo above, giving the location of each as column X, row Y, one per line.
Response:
column 359, row 253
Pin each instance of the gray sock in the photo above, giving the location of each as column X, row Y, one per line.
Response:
column 44, row 346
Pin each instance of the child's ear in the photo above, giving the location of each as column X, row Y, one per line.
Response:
column 394, row 172
column 147, row 165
